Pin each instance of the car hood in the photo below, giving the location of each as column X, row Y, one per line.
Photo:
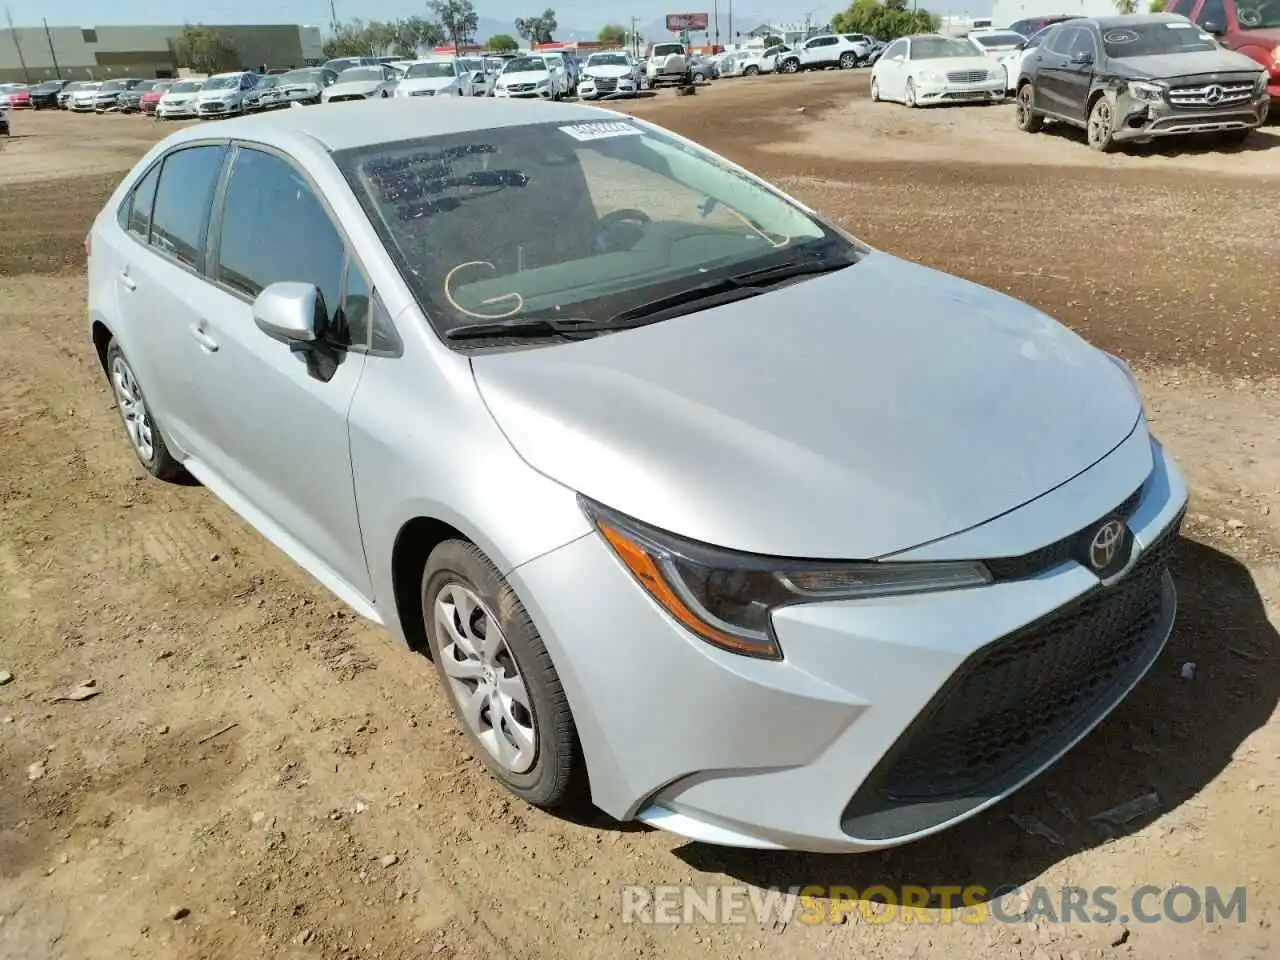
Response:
column 427, row 83
column 525, row 76
column 852, row 415
column 178, row 97
column 1187, row 64
column 976, row 62
column 365, row 87
column 610, row 72
column 221, row 93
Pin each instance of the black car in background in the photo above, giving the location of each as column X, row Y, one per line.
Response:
column 44, row 96
column 1138, row 77
column 130, row 100
column 262, row 97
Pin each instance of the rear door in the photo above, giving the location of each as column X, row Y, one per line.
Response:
column 820, row 51
column 276, row 416
column 1077, row 78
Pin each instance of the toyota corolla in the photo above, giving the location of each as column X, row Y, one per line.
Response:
column 704, row 510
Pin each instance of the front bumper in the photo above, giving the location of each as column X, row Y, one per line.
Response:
column 947, row 92
column 591, row 89
column 82, row 106
column 179, row 111
column 216, row 110
column 542, row 93
column 1143, row 120
column 889, row 719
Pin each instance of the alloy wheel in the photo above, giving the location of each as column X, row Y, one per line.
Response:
column 492, row 696
column 1100, row 124
column 133, row 409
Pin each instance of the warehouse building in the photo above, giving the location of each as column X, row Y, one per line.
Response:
column 99, row 53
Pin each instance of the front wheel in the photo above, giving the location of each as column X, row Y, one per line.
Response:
column 1024, row 114
column 875, row 90
column 909, row 95
column 1101, row 133
column 790, row 66
column 499, row 678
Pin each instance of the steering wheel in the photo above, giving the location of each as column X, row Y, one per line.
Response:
column 621, row 230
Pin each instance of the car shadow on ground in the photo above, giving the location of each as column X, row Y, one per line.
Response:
column 1171, row 737
column 1188, row 146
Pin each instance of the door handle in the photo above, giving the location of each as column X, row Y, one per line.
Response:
column 128, row 281
column 207, row 343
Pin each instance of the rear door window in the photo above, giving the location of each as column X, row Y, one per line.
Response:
column 180, row 217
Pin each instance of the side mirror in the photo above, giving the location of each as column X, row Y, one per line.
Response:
column 1082, row 59
column 292, row 312
column 477, row 77
column 1213, row 27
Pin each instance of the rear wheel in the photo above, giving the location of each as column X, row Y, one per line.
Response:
column 751, row 71
column 1024, row 115
column 789, row 66
column 497, row 674
column 145, row 438
column 848, row 60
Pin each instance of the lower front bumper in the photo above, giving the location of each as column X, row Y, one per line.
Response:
column 858, row 739
column 962, row 93
column 1141, row 120
column 524, row 94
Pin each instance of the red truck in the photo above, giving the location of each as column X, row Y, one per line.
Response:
column 1251, row 27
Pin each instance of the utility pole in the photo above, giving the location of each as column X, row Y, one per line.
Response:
column 715, row 12
column 13, row 32
column 635, row 39
column 52, row 56
column 333, row 16
column 733, row 37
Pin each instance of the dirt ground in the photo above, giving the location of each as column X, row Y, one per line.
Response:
column 255, row 754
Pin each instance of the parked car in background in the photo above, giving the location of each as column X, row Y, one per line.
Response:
column 84, row 99
column 4, row 117
column 611, row 73
column 826, row 51
column 701, row 70
column 877, row 49
column 996, row 43
column 1033, row 25
column 64, row 95
column 17, row 96
column 108, row 94
column 750, row 63
column 44, row 96
column 422, row 354
column 361, row 83
column 222, row 95
column 667, row 65
column 435, row 78
column 179, row 101
column 479, row 76
column 532, row 77
column 130, row 101
column 338, row 64
column 150, row 99
column 1139, row 77
column 303, row 87
column 1014, row 62
column 1251, row 27
column 253, row 97
column 568, row 65
column 927, row 69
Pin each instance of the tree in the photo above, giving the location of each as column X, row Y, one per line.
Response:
column 1157, row 6
column 612, row 35
column 1127, row 6
column 205, row 50
column 885, row 21
column 380, row 37
column 773, row 40
column 348, row 40
column 503, row 43
column 457, row 18
column 538, row 29
column 414, row 33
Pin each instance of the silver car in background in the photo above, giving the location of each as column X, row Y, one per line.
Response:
column 362, row 83
column 702, row 508
column 303, row 87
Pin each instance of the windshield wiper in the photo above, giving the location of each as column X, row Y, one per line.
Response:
column 528, row 327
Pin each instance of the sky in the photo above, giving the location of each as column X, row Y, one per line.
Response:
column 581, row 15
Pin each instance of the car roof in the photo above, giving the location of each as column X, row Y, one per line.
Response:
column 1135, row 20
column 389, row 120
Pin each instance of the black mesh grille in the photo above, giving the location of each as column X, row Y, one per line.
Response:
column 1020, row 699
column 1046, row 558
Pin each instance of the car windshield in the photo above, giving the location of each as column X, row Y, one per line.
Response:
column 144, row 86
column 666, row 49
column 606, row 60
column 1156, row 39
column 1263, row 15
column 638, row 216
column 361, row 75
column 111, row 86
column 269, row 81
column 939, row 48
column 472, row 66
column 524, row 65
column 301, row 76
column 186, row 86
column 440, row 68
column 999, row 39
column 221, row 83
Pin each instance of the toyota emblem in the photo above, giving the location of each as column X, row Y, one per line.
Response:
column 1213, row 94
column 1106, row 544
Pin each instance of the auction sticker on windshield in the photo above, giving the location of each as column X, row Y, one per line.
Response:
column 601, row 130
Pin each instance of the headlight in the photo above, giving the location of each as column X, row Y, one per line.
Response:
column 930, row 76
column 1261, row 83
column 727, row 599
column 1146, row 92
column 1275, row 59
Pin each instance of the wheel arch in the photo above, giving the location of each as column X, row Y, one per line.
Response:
column 1096, row 94
column 413, row 544
column 102, row 337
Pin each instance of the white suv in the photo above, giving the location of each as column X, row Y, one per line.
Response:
column 845, row 51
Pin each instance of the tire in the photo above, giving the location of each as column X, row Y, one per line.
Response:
column 848, row 60
column 909, row 94
column 751, row 71
column 789, row 66
column 699, row 79
column 1027, row 120
column 459, row 580
column 1100, row 133
column 145, row 437
column 875, row 90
